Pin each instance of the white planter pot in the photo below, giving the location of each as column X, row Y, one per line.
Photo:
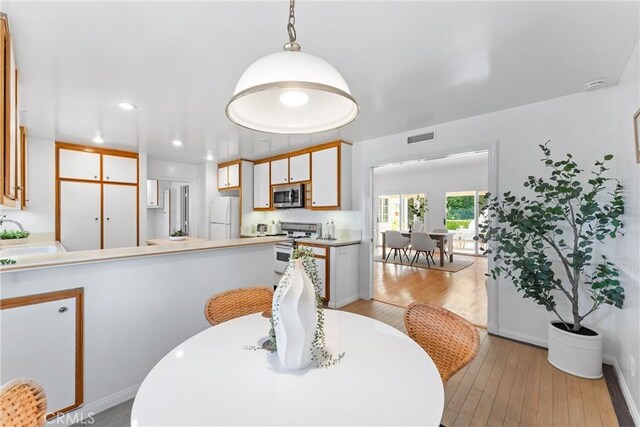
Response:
column 579, row 355
column 294, row 316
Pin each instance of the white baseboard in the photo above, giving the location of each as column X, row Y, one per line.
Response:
column 347, row 301
column 633, row 409
column 519, row 336
column 92, row 408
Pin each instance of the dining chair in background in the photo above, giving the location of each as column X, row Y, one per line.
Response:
column 422, row 243
column 398, row 243
column 450, row 341
column 228, row 305
column 22, row 403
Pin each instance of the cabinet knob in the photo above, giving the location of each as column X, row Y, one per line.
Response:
column 107, row 177
column 95, row 176
column 62, row 309
column 314, row 203
column 96, row 219
column 108, row 219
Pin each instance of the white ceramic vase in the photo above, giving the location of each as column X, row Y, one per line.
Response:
column 295, row 317
column 578, row 355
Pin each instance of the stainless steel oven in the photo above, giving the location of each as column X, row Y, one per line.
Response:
column 282, row 252
column 289, row 196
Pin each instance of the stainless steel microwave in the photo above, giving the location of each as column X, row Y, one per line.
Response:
column 289, row 196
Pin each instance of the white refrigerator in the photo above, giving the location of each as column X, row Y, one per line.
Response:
column 224, row 218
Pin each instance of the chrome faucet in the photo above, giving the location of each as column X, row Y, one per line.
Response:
column 3, row 220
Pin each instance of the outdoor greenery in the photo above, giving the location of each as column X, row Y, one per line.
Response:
column 13, row 234
column 417, row 208
column 562, row 220
column 454, row 224
column 460, row 207
column 7, row 261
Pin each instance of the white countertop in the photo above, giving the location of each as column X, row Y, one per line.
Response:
column 99, row 255
column 337, row 242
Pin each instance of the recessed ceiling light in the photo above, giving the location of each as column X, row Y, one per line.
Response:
column 210, row 157
column 98, row 139
column 177, row 142
column 127, row 106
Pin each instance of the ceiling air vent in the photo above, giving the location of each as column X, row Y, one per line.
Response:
column 429, row 136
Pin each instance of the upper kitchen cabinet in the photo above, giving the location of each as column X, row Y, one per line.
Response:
column 10, row 166
column 280, row 171
column 261, row 187
column 96, row 197
column 299, row 168
column 78, row 164
column 331, row 177
column 120, row 169
column 229, row 176
column 153, row 191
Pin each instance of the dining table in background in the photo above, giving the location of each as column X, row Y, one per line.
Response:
column 212, row 378
column 441, row 238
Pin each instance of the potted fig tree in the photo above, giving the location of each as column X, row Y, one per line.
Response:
column 546, row 244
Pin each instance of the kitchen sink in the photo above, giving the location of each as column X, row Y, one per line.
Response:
column 29, row 250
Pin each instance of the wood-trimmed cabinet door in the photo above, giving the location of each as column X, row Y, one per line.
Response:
column 119, row 169
column 223, row 178
column 77, row 164
column 325, row 182
column 261, row 186
column 299, row 168
column 42, row 338
column 120, row 216
column 80, row 219
column 234, row 175
column 280, row 171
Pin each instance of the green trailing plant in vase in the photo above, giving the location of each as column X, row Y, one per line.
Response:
column 320, row 356
column 564, row 217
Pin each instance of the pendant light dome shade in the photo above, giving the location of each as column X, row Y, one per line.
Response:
column 292, row 92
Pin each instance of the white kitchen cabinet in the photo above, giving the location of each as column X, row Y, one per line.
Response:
column 45, row 326
column 299, row 168
column 280, row 171
column 261, row 186
column 79, row 215
column 234, row 175
column 120, row 216
column 75, row 164
column 324, row 179
column 223, row 178
column 119, row 169
column 322, row 275
column 153, row 187
column 344, row 275
column 321, row 255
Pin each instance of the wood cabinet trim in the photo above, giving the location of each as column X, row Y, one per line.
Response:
column 78, row 294
column 306, row 150
column 102, row 152
column 87, row 149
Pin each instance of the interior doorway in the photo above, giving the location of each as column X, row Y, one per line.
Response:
column 172, row 211
column 425, row 196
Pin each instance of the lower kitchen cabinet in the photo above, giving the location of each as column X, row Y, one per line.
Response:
column 339, row 272
column 49, row 328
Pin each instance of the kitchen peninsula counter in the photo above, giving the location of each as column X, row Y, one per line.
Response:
column 101, row 255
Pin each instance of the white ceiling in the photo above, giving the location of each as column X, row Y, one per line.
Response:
column 454, row 161
column 409, row 64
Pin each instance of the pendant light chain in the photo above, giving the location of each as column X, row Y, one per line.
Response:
column 291, row 29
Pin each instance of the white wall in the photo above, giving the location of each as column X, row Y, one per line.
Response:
column 39, row 216
column 582, row 124
column 434, row 183
column 624, row 102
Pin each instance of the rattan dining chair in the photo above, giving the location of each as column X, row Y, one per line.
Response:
column 451, row 341
column 237, row 302
column 22, row 404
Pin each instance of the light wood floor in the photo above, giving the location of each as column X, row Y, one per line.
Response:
column 463, row 292
column 511, row 384
column 508, row 384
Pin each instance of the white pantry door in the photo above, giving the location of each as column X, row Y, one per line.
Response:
column 79, row 215
column 120, row 216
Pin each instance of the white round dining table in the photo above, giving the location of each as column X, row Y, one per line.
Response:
column 385, row 378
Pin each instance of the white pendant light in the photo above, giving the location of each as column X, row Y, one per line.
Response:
column 292, row 92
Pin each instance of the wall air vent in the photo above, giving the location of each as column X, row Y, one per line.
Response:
column 429, row 136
